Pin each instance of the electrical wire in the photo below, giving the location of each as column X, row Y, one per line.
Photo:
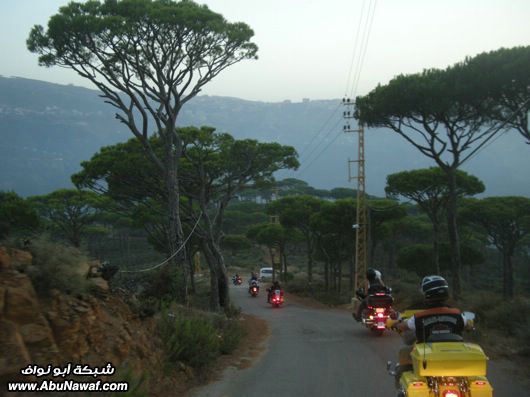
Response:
column 305, row 168
column 302, row 153
column 169, row 258
column 364, row 48
column 356, row 40
column 365, row 24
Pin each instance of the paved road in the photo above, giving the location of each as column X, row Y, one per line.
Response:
column 320, row 352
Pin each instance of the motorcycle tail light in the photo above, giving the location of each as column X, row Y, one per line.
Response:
column 417, row 384
column 380, row 310
column 451, row 393
column 480, row 382
column 380, row 315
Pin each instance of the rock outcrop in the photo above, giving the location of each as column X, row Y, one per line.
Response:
column 92, row 329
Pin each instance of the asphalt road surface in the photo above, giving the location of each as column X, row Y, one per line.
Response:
column 323, row 352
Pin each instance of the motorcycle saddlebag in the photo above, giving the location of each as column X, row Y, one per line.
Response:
column 480, row 387
column 381, row 300
column 415, row 386
column 449, row 359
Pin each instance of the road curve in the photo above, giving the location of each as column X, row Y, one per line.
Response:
column 321, row 352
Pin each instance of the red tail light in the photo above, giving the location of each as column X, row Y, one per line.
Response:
column 380, row 315
column 480, row 382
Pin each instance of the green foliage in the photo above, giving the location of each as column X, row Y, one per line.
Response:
column 68, row 212
column 191, row 340
column 429, row 187
column 497, row 315
column 419, row 258
column 268, row 234
column 295, row 211
column 197, row 340
column 16, row 214
column 56, row 266
column 342, row 193
column 504, row 73
column 505, row 219
column 231, row 335
column 137, row 383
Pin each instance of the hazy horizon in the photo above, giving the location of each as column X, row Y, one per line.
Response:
column 313, row 48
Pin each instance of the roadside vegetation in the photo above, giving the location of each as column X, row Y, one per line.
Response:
column 168, row 211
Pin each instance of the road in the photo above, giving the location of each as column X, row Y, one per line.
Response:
column 321, row 352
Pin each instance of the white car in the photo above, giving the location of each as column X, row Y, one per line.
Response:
column 265, row 273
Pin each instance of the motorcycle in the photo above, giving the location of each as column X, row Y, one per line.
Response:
column 253, row 290
column 377, row 311
column 237, row 280
column 276, row 298
column 444, row 366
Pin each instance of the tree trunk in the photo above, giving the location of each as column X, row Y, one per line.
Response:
column 436, row 246
column 309, row 260
column 174, row 222
column 214, row 292
column 191, row 265
column 339, row 276
column 326, row 275
column 220, row 270
column 214, row 285
column 454, row 242
column 508, row 285
column 352, row 270
column 284, row 264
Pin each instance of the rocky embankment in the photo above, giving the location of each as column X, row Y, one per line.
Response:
column 94, row 328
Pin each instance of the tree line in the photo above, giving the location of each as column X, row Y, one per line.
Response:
column 149, row 58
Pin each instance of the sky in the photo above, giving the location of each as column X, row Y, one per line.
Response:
column 313, row 48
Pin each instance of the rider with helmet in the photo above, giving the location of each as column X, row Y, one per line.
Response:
column 438, row 318
column 373, row 284
column 275, row 285
column 438, row 322
column 253, row 281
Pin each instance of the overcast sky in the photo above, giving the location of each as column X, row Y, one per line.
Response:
column 306, row 46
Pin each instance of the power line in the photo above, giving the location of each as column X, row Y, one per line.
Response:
column 356, row 40
column 322, row 151
column 319, row 131
column 365, row 22
column 364, row 48
column 308, row 156
column 171, row 257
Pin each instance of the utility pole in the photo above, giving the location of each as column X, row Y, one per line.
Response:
column 276, row 260
column 361, row 226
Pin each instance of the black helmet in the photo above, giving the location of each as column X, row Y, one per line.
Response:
column 435, row 289
column 372, row 275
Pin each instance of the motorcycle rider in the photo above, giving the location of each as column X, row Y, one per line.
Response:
column 275, row 285
column 235, row 278
column 253, row 281
column 373, row 284
column 437, row 321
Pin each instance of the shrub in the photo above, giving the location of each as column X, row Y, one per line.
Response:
column 232, row 311
column 231, row 334
column 137, row 383
column 56, row 266
column 192, row 340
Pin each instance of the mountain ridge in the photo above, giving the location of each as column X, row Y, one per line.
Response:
column 47, row 129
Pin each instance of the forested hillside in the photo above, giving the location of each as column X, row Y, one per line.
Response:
column 48, row 129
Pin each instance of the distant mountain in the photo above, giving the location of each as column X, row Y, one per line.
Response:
column 47, row 129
